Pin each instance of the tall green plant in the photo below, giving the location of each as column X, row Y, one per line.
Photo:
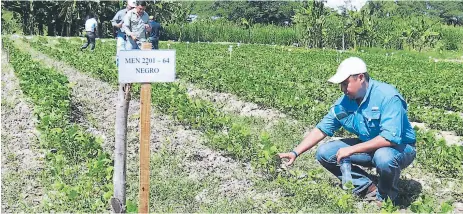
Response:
column 11, row 22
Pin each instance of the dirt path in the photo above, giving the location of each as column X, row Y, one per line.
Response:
column 232, row 103
column 450, row 137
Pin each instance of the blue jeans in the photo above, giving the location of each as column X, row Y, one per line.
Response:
column 154, row 43
column 90, row 41
column 131, row 44
column 120, row 45
column 389, row 161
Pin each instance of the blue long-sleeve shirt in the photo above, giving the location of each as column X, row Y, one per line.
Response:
column 382, row 112
column 155, row 29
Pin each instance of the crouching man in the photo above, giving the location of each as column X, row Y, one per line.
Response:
column 376, row 113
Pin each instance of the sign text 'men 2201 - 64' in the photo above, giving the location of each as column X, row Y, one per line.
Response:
column 147, row 61
column 147, row 66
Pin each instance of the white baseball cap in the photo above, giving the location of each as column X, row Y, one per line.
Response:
column 132, row 3
column 348, row 67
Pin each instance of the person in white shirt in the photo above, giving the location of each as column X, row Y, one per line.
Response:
column 91, row 28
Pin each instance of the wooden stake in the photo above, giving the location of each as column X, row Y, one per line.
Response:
column 145, row 117
column 120, row 152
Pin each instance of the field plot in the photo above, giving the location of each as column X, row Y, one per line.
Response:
column 217, row 129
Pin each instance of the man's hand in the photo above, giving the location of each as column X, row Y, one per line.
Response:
column 119, row 25
column 290, row 156
column 344, row 152
column 134, row 38
column 148, row 27
column 310, row 140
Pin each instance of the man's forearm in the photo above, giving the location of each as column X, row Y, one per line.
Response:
column 126, row 29
column 310, row 141
column 118, row 25
column 371, row 145
column 116, row 19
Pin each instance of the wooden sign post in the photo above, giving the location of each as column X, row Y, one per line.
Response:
column 145, row 66
column 145, row 116
column 145, row 127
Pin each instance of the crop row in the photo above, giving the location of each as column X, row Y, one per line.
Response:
column 78, row 173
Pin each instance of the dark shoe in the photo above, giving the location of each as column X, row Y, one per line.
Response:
column 370, row 193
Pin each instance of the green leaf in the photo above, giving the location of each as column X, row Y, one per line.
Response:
column 132, row 207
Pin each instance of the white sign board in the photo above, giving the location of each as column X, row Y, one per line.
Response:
column 144, row 66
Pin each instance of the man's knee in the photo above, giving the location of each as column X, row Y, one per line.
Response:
column 385, row 160
column 326, row 153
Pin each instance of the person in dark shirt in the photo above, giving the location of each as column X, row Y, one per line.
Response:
column 155, row 33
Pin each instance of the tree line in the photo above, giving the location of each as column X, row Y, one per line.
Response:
column 386, row 24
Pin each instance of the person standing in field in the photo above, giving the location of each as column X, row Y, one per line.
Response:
column 155, row 33
column 91, row 29
column 135, row 26
column 377, row 114
column 117, row 23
